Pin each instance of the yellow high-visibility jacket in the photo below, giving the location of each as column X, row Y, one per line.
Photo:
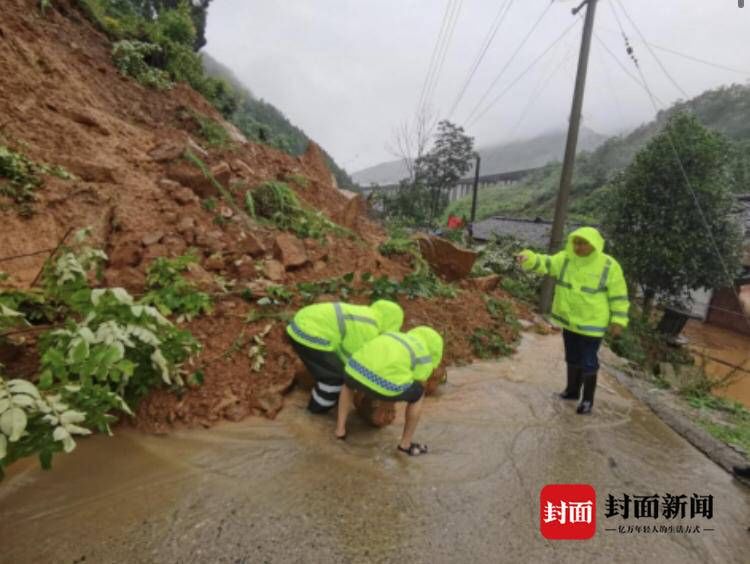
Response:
column 392, row 362
column 590, row 292
column 343, row 328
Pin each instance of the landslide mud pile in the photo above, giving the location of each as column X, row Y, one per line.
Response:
column 62, row 102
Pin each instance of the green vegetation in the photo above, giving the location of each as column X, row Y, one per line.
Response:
column 156, row 43
column 106, row 350
column 498, row 257
column 340, row 287
column 489, row 343
column 421, row 199
column 276, row 203
column 725, row 110
column 645, row 346
column 728, row 421
column 22, row 177
column 656, row 232
column 210, row 131
column 130, row 57
column 170, row 292
column 399, row 243
column 262, row 122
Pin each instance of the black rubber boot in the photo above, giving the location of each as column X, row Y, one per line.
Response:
column 573, row 389
column 589, row 386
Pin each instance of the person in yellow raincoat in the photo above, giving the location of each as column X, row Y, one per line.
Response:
column 325, row 335
column 591, row 298
column 393, row 367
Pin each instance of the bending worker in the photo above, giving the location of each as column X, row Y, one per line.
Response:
column 393, row 367
column 591, row 297
column 325, row 335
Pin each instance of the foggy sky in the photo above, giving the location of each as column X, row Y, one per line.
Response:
column 349, row 71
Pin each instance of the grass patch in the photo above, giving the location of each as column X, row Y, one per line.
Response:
column 276, row 203
column 209, row 130
column 726, row 420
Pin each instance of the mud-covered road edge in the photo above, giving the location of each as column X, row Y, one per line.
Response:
column 717, row 451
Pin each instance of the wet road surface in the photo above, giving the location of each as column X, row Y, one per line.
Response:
column 285, row 491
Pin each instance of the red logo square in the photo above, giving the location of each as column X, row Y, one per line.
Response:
column 567, row 511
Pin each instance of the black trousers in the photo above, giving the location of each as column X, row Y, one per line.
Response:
column 582, row 351
column 411, row 395
column 327, row 370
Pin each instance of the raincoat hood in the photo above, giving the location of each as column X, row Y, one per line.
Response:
column 589, row 234
column 389, row 314
column 433, row 340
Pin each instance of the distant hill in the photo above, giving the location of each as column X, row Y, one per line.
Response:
column 725, row 109
column 503, row 157
column 262, row 122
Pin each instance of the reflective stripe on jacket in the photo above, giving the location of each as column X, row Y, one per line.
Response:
column 338, row 327
column 590, row 292
column 391, row 363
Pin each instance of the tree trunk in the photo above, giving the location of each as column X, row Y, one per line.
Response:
column 648, row 303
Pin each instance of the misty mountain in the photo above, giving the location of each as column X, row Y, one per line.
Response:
column 503, row 157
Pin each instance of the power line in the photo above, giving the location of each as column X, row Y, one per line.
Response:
column 435, row 48
column 446, row 44
column 524, row 73
column 509, row 62
column 541, row 87
column 486, row 44
column 696, row 59
column 729, row 277
column 683, row 55
column 637, row 29
column 612, row 89
column 623, row 67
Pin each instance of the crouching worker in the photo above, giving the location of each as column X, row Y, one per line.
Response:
column 393, row 367
column 591, row 297
column 325, row 335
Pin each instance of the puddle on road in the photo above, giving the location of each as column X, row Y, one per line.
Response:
column 285, row 491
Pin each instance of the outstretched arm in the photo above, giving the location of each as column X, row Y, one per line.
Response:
column 541, row 263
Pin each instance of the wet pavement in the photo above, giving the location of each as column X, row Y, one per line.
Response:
column 285, row 491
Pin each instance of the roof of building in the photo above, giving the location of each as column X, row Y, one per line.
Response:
column 534, row 232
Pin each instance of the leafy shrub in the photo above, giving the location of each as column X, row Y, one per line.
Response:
column 130, row 57
column 645, row 346
column 419, row 284
column 23, row 177
column 498, row 257
column 33, row 422
column 488, row 344
column 502, row 311
column 127, row 347
column 171, row 293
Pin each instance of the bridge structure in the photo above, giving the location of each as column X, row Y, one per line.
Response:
column 464, row 186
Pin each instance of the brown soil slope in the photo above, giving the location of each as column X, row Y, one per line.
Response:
column 63, row 102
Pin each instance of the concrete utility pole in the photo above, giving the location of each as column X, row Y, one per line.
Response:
column 566, row 178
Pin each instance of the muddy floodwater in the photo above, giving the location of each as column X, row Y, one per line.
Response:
column 723, row 353
column 285, row 491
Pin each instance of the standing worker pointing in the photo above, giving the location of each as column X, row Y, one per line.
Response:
column 590, row 297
